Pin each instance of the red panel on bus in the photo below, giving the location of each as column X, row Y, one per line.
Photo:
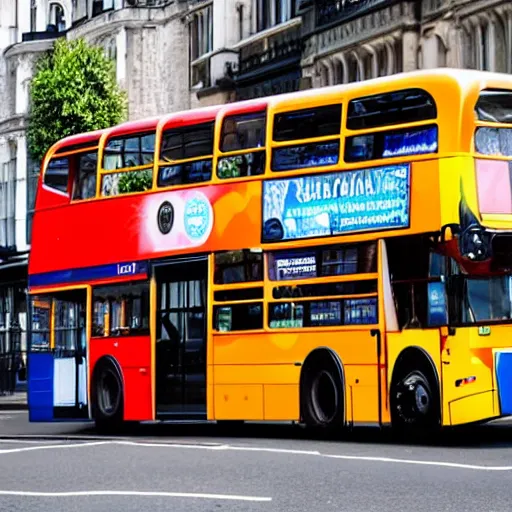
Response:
column 133, row 353
column 124, row 229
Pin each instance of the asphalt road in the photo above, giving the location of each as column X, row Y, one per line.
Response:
column 66, row 467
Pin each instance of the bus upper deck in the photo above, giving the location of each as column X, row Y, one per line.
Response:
column 407, row 140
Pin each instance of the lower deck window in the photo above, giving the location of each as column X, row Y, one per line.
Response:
column 121, row 310
column 323, row 313
column 238, row 317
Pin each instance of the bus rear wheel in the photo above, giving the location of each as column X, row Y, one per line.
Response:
column 414, row 404
column 322, row 394
column 107, row 397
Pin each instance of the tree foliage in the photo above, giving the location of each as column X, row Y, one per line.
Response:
column 74, row 90
column 135, row 181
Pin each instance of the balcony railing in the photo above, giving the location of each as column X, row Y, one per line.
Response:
column 102, row 6
column 275, row 53
column 41, row 36
column 147, row 3
column 332, row 11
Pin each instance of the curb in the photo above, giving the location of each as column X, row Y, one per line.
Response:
column 57, row 437
column 13, row 407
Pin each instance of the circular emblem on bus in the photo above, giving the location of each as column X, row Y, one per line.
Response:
column 165, row 217
column 198, row 217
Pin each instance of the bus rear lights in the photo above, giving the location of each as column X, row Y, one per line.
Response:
column 462, row 382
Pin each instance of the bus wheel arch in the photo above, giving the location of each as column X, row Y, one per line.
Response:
column 107, row 389
column 415, row 392
column 322, row 389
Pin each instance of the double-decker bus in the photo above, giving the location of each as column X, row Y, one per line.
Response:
column 335, row 257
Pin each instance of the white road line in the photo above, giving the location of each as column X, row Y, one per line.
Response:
column 51, row 447
column 230, row 497
column 262, row 449
column 323, row 455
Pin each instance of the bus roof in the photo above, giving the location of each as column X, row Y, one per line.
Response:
column 463, row 77
column 79, row 139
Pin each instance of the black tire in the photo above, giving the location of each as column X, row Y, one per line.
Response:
column 322, row 396
column 108, row 397
column 415, row 404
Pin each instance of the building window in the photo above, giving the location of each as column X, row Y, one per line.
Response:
column 4, row 316
column 8, row 204
column 56, row 19
column 33, row 16
column 101, row 6
column 272, row 12
column 201, row 33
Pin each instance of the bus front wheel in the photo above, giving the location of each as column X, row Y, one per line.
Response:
column 322, row 394
column 107, row 397
column 414, row 405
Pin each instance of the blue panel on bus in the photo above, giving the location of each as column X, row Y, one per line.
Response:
column 40, row 386
column 77, row 275
column 504, row 377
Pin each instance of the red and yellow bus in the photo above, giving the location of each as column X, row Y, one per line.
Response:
column 335, row 257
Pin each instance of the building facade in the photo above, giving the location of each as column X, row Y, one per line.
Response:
column 172, row 55
column 350, row 40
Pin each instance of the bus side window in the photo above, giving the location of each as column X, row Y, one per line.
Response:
column 410, row 264
column 121, row 310
column 238, row 317
column 238, row 267
column 245, row 131
column 56, row 175
column 84, row 186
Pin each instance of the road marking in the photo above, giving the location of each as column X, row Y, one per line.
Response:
column 230, row 497
column 51, row 447
column 316, row 453
column 262, row 449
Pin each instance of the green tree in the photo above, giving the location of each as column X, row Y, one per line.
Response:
column 74, row 90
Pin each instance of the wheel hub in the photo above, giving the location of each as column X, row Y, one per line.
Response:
column 413, row 403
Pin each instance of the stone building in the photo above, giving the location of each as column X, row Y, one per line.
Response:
column 350, row 40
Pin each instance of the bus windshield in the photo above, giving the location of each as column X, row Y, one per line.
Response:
column 486, row 299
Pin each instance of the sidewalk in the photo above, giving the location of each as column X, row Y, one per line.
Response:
column 17, row 400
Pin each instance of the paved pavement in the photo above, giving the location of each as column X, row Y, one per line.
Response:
column 17, row 400
column 66, row 467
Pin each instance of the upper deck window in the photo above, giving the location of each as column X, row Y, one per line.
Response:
column 57, row 174
column 244, row 131
column 494, row 106
column 399, row 107
column 493, row 141
column 187, row 142
column 308, row 123
column 125, row 152
column 85, row 176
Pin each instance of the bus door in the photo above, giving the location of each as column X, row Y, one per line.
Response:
column 58, row 357
column 181, row 339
